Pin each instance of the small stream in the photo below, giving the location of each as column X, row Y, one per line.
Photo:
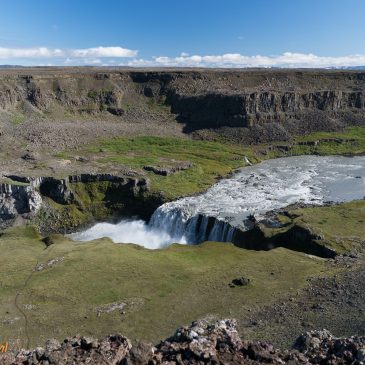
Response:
column 254, row 190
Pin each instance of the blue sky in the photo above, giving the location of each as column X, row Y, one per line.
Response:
column 223, row 33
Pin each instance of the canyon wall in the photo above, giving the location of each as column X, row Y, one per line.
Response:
column 283, row 102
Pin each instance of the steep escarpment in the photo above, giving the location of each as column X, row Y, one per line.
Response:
column 246, row 110
column 258, row 105
column 72, row 92
column 60, row 204
column 18, row 200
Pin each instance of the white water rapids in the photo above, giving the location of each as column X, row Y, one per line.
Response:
column 253, row 190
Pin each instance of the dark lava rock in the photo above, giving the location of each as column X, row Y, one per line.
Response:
column 201, row 343
column 30, row 156
column 116, row 111
column 164, row 171
column 240, row 281
column 76, row 350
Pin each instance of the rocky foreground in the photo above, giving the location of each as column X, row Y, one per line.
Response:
column 200, row 343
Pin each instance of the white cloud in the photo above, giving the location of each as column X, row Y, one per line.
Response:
column 40, row 52
column 44, row 52
column 103, row 52
column 287, row 59
column 87, row 62
column 104, row 55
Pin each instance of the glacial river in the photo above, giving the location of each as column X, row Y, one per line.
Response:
column 255, row 190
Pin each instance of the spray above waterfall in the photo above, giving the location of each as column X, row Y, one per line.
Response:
column 216, row 214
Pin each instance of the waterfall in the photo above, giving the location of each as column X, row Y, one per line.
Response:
column 182, row 224
column 224, row 210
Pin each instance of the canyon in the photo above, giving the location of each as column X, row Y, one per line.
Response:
column 202, row 155
column 46, row 111
column 277, row 103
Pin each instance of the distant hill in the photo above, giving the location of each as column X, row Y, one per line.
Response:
column 346, row 68
column 356, row 68
column 10, row 66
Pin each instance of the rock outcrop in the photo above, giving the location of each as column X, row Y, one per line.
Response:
column 18, row 200
column 200, row 343
column 77, row 350
column 24, row 196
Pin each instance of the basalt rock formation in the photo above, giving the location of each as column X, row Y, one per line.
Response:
column 200, row 343
column 42, row 198
column 259, row 105
column 18, row 200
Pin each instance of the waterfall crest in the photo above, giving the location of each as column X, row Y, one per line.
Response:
column 182, row 224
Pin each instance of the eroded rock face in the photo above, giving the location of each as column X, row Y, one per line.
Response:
column 25, row 196
column 200, row 343
column 18, row 200
column 270, row 104
column 245, row 110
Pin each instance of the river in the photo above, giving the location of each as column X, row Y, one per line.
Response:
column 253, row 190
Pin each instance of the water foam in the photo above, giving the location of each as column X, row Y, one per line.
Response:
column 128, row 231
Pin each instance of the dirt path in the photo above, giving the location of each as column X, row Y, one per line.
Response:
column 19, row 293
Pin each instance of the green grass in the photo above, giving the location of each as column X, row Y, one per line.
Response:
column 18, row 118
column 163, row 289
column 211, row 160
column 167, row 288
column 353, row 142
column 341, row 226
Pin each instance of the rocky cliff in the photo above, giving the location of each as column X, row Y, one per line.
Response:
column 82, row 198
column 258, row 104
column 18, row 200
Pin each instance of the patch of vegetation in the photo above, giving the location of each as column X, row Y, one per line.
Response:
column 18, row 118
column 61, row 218
column 93, row 94
column 163, row 289
column 94, row 201
column 159, row 104
column 351, row 141
column 5, row 180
